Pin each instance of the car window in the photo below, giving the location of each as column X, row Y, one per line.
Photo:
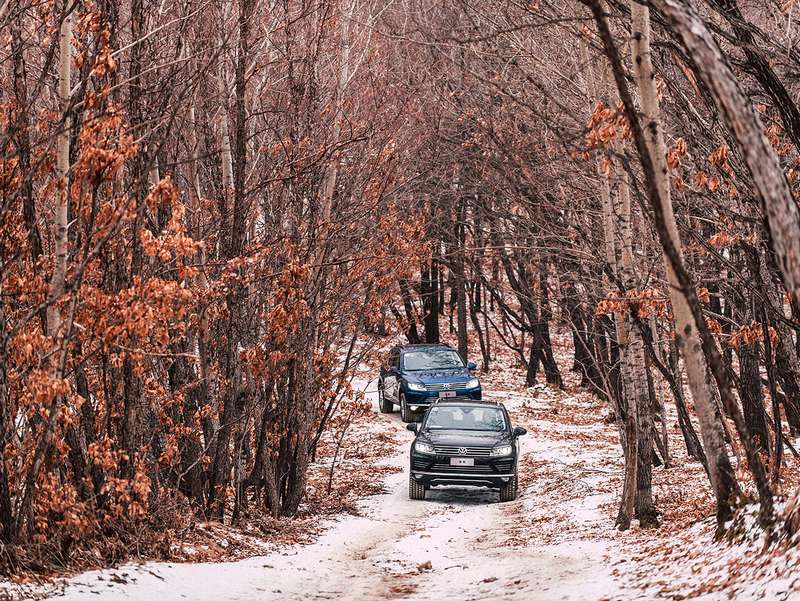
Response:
column 431, row 359
column 466, row 418
column 394, row 359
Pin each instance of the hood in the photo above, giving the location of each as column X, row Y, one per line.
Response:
column 465, row 438
column 439, row 376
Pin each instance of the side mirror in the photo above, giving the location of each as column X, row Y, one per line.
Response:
column 412, row 428
column 519, row 431
column 472, row 366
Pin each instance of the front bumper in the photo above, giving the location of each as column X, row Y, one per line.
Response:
column 487, row 471
column 419, row 400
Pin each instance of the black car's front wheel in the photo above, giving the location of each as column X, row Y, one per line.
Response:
column 384, row 404
column 405, row 413
column 416, row 490
column 508, row 491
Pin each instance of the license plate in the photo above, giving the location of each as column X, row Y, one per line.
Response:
column 447, row 394
column 462, row 461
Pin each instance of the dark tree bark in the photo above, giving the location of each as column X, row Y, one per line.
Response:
column 483, row 337
column 459, row 281
column 752, row 396
column 552, row 374
column 429, row 291
column 412, row 334
column 773, row 391
column 7, row 534
column 220, row 472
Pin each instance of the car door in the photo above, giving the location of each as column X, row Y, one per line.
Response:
column 391, row 377
column 511, row 429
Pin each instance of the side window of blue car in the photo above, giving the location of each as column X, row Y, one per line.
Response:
column 394, row 360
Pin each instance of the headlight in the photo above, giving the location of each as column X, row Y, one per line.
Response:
column 502, row 450
column 424, row 447
column 473, row 383
column 416, row 386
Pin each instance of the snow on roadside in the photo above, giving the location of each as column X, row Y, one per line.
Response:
column 688, row 564
column 578, row 477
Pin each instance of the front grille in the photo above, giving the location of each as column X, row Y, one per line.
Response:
column 446, row 468
column 470, row 451
column 446, row 386
column 500, row 466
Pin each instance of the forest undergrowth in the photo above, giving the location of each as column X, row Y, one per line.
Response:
column 177, row 533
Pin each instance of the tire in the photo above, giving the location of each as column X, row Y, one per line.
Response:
column 405, row 413
column 508, row 491
column 416, row 491
column 385, row 405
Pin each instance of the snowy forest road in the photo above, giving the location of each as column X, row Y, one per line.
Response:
column 458, row 544
column 462, row 532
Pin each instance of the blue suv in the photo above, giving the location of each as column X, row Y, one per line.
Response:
column 415, row 375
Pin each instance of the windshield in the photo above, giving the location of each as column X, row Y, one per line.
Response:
column 433, row 359
column 466, row 418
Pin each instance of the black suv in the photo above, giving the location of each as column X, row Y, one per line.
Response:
column 415, row 375
column 465, row 442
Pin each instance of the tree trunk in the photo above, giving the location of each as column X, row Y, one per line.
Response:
column 62, row 167
column 552, row 374
column 721, row 472
column 460, row 282
column 6, row 433
column 332, row 171
column 234, row 244
column 430, row 300
column 412, row 334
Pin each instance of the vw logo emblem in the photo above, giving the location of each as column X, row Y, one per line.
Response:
column 462, row 451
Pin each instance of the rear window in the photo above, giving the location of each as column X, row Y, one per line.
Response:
column 491, row 419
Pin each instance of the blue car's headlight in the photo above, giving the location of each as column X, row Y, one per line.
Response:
column 501, row 451
column 424, row 447
column 473, row 383
column 416, row 386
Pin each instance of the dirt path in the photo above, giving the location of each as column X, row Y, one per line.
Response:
column 471, row 540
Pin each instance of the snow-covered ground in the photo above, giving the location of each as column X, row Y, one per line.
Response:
column 555, row 542
column 458, row 544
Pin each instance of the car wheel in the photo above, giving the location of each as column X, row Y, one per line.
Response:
column 385, row 405
column 416, row 490
column 508, row 491
column 405, row 413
